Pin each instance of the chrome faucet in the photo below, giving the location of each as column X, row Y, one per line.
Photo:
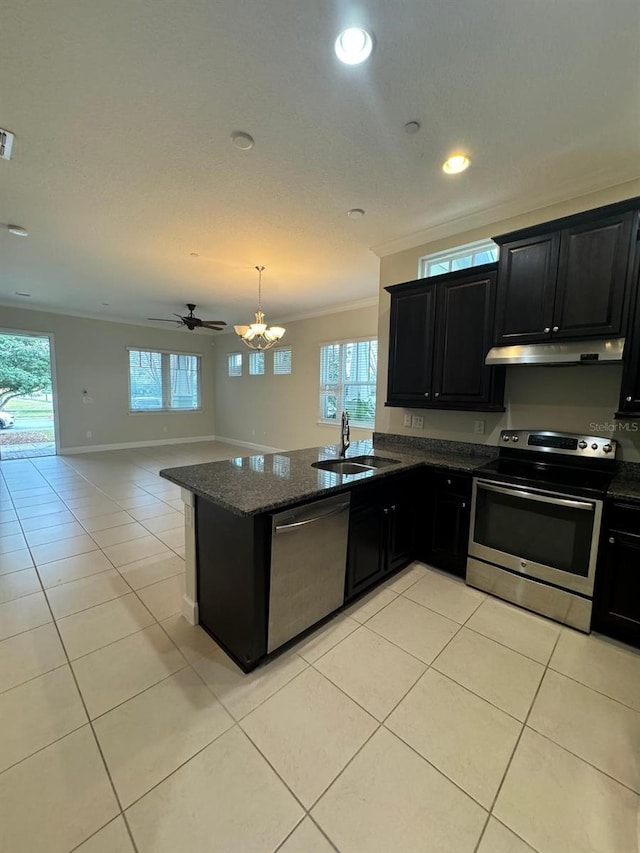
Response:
column 345, row 434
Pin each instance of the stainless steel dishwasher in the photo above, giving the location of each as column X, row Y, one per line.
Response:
column 308, row 565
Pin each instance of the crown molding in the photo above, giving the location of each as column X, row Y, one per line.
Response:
column 490, row 216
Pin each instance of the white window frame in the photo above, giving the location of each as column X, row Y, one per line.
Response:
column 229, row 357
column 282, row 349
column 166, row 381
column 253, row 358
column 427, row 262
column 340, row 390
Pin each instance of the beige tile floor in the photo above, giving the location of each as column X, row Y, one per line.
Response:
column 426, row 717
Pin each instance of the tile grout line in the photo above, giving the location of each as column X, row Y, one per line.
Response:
column 515, row 749
column 90, row 723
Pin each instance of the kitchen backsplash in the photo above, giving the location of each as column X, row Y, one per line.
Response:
column 578, row 399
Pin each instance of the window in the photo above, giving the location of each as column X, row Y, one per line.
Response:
column 348, row 381
column 235, row 364
column 458, row 258
column 256, row 363
column 161, row 381
column 282, row 361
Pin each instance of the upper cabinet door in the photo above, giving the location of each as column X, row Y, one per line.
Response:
column 592, row 276
column 526, row 289
column 411, row 340
column 464, row 326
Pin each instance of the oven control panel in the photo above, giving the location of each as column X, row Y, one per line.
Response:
column 542, row 441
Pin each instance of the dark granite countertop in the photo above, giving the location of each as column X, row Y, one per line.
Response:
column 263, row 482
column 626, row 484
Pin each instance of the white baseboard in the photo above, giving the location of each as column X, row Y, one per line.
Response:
column 128, row 445
column 262, row 448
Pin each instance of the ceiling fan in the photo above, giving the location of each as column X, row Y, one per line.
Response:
column 192, row 322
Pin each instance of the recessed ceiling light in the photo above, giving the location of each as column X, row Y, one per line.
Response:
column 194, row 254
column 242, row 140
column 353, row 46
column 22, row 293
column 355, row 213
column 18, row 230
column 412, row 127
column 456, row 164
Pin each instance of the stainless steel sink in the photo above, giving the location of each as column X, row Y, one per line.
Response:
column 355, row 465
column 374, row 461
column 342, row 466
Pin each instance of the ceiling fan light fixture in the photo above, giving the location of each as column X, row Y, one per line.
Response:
column 259, row 335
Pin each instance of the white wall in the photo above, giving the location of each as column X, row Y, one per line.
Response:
column 92, row 355
column 283, row 411
column 567, row 399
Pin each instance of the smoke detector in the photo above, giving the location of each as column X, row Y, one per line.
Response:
column 6, row 144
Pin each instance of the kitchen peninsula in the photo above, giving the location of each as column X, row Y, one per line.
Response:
column 236, row 511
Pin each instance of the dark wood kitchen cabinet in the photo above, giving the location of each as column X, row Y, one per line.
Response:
column 526, row 289
column 445, row 538
column 381, row 531
column 411, row 335
column 616, row 600
column 566, row 279
column 630, row 388
column 440, row 332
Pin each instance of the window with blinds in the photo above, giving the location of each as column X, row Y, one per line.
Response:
column 348, row 374
column 256, row 363
column 458, row 258
column 234, row 362
column 163, row 381
column 282, row 361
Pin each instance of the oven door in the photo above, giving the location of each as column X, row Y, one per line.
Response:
column 544, row 535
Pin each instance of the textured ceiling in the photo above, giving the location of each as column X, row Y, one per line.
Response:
column 123, row 164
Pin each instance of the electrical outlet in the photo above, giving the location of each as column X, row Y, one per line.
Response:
column 89, row 434
column 165, row 429
column 417, row 422
column 478, row 427
column 407, row 420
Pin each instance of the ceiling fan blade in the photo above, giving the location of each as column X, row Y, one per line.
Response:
column 212, row 328
column 163, row 320
column 215, row 322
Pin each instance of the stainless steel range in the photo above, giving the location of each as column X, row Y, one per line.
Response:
column 535, row 522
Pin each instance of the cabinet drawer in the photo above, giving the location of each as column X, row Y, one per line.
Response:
column 624, row 516
column 455, row 484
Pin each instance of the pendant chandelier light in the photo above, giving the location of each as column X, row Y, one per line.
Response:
column 258, row 335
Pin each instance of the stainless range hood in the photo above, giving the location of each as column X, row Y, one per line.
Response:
column 567, row 352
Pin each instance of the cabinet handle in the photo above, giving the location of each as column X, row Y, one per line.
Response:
column 464, row 506
column 386, row 510
column 547, row 329
column 628, row 399
column 393, row 507
column 556, row 328
column 437, row 394
column 448, row 482
column 426, row 393
column 612, row 540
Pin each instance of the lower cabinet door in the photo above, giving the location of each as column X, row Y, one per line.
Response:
column 448, row 533
column 616, row 610
column 400, row 533
column 366, row 553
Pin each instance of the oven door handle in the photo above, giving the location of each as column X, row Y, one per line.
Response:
column 533, row 496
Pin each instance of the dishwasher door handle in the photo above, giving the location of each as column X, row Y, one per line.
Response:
column 296, row 525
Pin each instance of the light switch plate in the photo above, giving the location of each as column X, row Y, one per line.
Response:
column 417, row 422
column 407, row 420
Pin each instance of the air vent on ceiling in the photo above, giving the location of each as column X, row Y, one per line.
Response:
column 6, row 144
